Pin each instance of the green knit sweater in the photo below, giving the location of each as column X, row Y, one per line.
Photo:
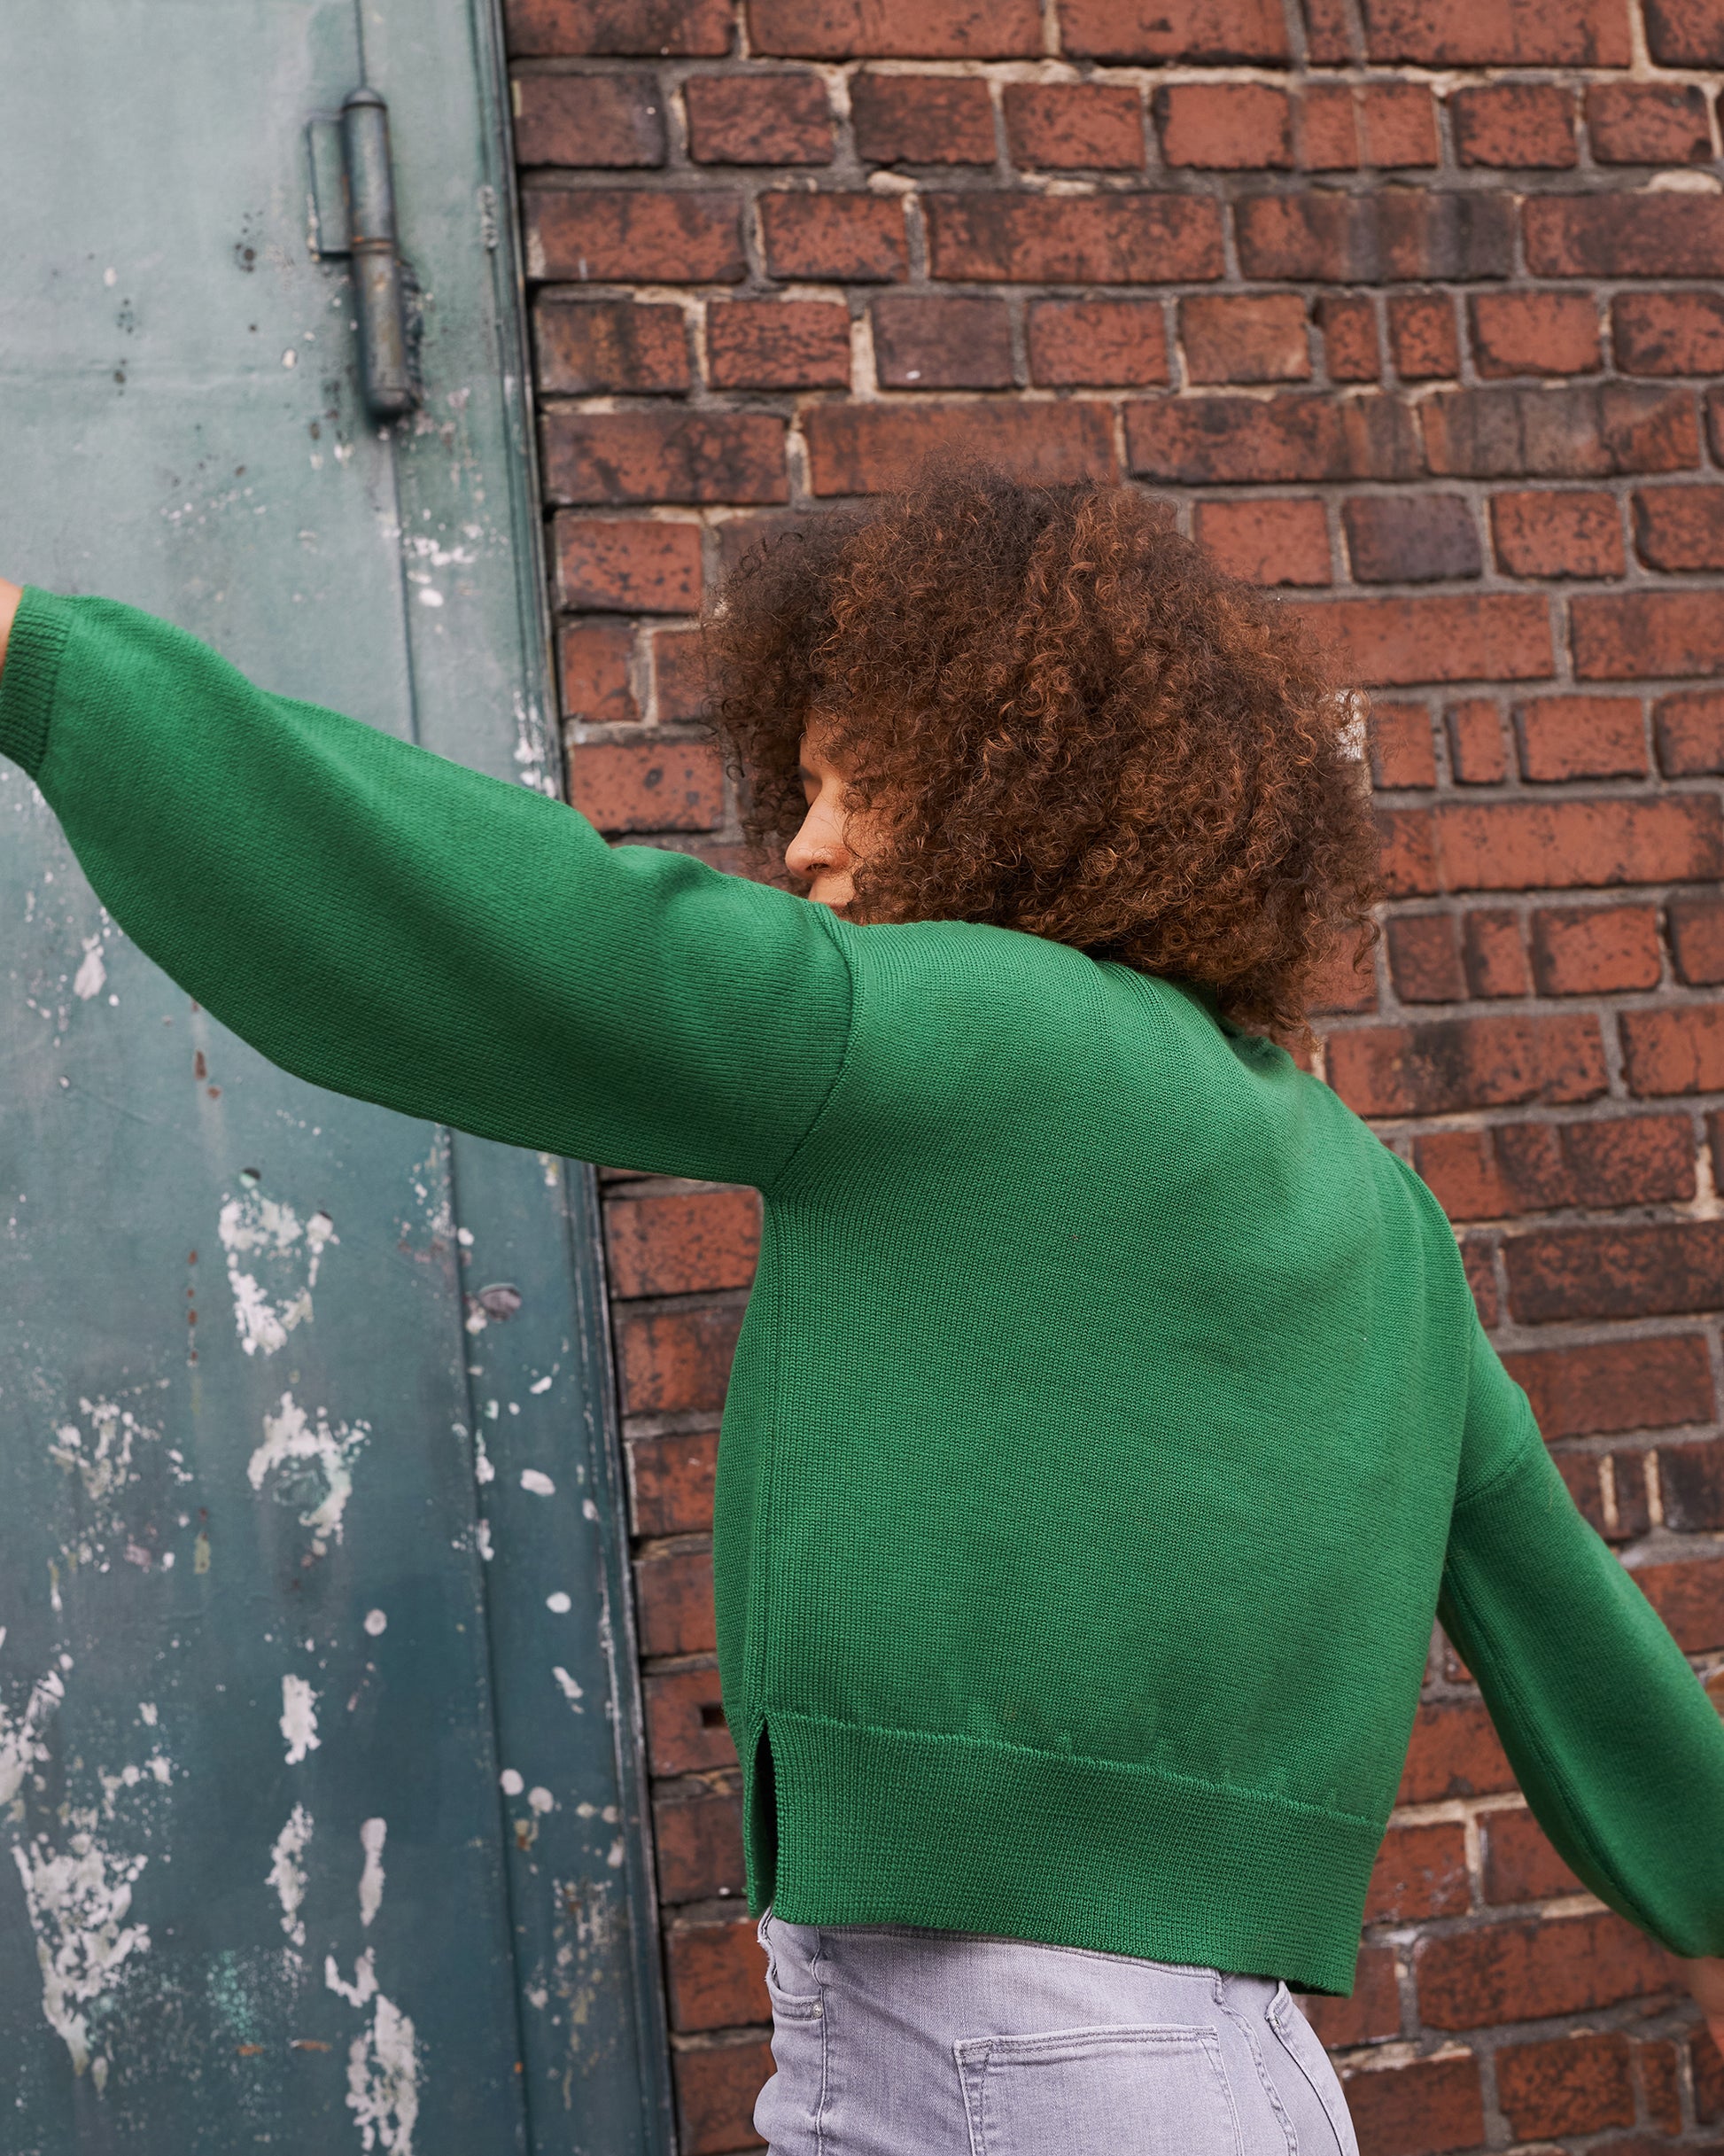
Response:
column 1110, row 1418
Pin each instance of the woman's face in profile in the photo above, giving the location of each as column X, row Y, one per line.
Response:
column 826, row 849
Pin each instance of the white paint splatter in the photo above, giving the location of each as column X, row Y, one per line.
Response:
column 270, row 1234
column 364, row 1986
column 78, row 1900
column 315, row 1460
column 92, row 974
column 558, row 1604
column 299, row 1718
column 371, row 1835
column 540, row 1799
column 540, row 1484
column 511, row 1782
column 383, row 2081
column 541, row 1384
column 287, row 1875
column 102, row 1454
column 376, row 1622
column 21, row 1744
column 482, row 1540
column 566, row 1685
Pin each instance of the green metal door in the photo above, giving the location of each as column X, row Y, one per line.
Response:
column 320, row 1763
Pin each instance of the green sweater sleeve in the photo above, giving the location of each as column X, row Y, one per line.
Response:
column 385, row 923
column 1618, row 1750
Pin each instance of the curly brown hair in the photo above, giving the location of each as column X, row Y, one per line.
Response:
column 1063, row 718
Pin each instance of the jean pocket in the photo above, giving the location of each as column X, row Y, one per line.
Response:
column 791, row 1984
column 1160, row 2091
column 1299, row 2041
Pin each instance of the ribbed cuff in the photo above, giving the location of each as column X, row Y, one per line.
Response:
column 34, row 651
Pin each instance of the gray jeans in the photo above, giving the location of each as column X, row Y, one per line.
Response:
column 895, row 2040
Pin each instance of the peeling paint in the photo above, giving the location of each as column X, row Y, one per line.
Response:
column 314, row 1461
column 566, row 1685
column 537, row 1482
column 78, row 1900
column 102, row 1455
column 371, row 1835
column 383, row 2081
column 21, row 1745
column 271, row 1236
column 92, row 974
column 287, row 1875
column 299, row 1723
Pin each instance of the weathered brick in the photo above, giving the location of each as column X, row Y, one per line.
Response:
column 1075, row 239
column 594, row 346
column 1371, row 2013
column 1424, row 342
column 1391, row 237
column 951, row 341
column 1211, row 441
column 1349, row 337
column 1708, row 2076
column 1552, row 845
column 1525, row 1972
column 1648, row 123
column 1628, row 1515
column 1494, row 953
column 679, row 671
column 922, row 119
column 1401, row 751
column 1499, row 33
column 1477, row 1259
column 1534, row 332
column 647, row 785
column 1544, row 534
column 676, row 1360
column 1582, row 738
column 1668, row 1268
column 1416, row 2110
column 1260, row 338
column 896, row 29
column 697, row 1843
column 1425, row 958
column 1697, row 941
column 715, row 1973
column 1519, row 124
column 678, row 29
column 1082, row 344
column 670, row 1483
column 1410, row 538
column 1677, row 1050
column 1478, row 755
column 1381, row 642
column 1227, row 127
column 592, row 665
column 864, row 448
column 1420, row 1872
column 1588, row 431
column 1668, row 333
column 716, row 2088
column 1278, row 540
column 1074, row 126
column 681, row 1243
column 1624, row 235
column 1691, row 1482
column 611, row 565
column 1453, row 1063
column 626, row 235
column 1679, row 527
column 1328, row 35
column 777, row 344
column 686, row 1732
column 673, row 1602
column 853, row 237
column 1407, row 858
column 1621, row 1385
column 1538, row 1167
column 1659, row 2075
column 758, row 119
column 592, row 120
column 1326, row 133
column 663, row 456
column 1689, row 1597
column 1190, row 30
column 1398, row 124
column 1618, row 636
column 1690, row 731
column 1575, row 2084
column 1596, row 950
column 1685, row 33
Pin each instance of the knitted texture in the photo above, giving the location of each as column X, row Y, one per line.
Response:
column 1110, row 1418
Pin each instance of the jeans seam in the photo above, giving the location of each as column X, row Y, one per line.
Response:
column 1273, row 2017
column 1244, row 2027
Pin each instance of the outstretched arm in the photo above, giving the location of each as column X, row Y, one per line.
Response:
column 388, row 924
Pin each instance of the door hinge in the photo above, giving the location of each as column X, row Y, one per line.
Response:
column 353, row 214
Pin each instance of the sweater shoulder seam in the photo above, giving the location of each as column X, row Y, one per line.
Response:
column 839, row 1075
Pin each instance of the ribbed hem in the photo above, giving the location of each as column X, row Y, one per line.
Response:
column 34, row 651
column 897, row 1826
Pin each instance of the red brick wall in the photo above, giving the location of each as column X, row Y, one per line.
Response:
column 1406, row 303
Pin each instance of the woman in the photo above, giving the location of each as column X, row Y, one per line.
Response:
column 1111, row 1417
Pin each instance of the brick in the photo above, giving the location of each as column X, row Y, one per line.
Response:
column 687, row 1732
column 594, row 347
column 634, row 234
column 1663, row 1269
column 592, row 665
column 1420, row 1872
column 864, row 448
column 1385, row 643
column 1708, row 2078
column 1425, row 958
column 606, row 564
column 1370, row 2014
column 679, row 29
column 1541, row 533
column 1575, row 2084
column 1628, row 1515
column 1410, row 538
column 1691, row 1483
column 1499, row 33
column 1452, row 1063
column 1432, row 2105
column 1518, row 124
column 1690, row 1597
column 647, row 786
column 1397, row 125
column 1349, row 336
column 1241, row 339
column 1074, row 126
column 627, row 456
column 673, row 1602
column 1423, row 340
column 1624, row 235
column 1617, row 637
column 1402, row 751
column 1553, row 845
column 1327, row 135
column 1081, row 344
column 758, row 119
column 896, row 29
column 592, row 120
column 1668, row 333
column 854, row 237
column 678, row 676
column 1477, row 1259
column 1593, row 950
column 1224, row 127
column 716, row 2090
column 777, row 344
column 677, row 1360
column 698, row 1844
column 1685, row 33
column 1525, row 1972
column 1677, row 1050
column 1407, row 858
column 1658, row 2073
column 1648, row 123
column 1534, row 332
column 1582, row 738
column 1696, row 942
column 1494, row 954
column 1397, row 235
column 1074, row 239
column 1218, row 440
column 1280, row 539
column 1589, row 431
column 1540, row 1167
column 1329, row 35
column 683, row 1243
column 1689, row 732
column 948, row 342
column 1679, row 527
column 670, row 1483
column 922, row 119
column 1190, row 30
column 715, row 1973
